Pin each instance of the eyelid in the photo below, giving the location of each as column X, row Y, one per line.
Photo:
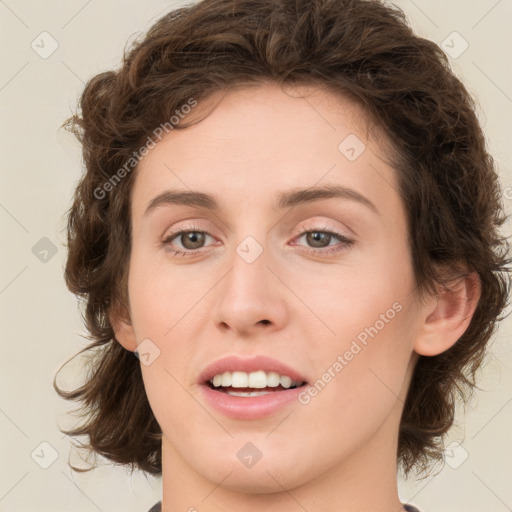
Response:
column 343, row 239
column 323, row 225
column 187, row 227
column 315, row 225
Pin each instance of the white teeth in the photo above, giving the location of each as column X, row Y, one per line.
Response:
column 251, row 393
column 273, row 379
column 257, row 380
column 286, row 382
column 226, row 379
column 239, row 380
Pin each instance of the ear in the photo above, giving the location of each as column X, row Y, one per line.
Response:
column 123, row 328
column 447, row 315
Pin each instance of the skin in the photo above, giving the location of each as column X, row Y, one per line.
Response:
column 337, row 452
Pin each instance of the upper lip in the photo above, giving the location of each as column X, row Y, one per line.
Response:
column 253, row 364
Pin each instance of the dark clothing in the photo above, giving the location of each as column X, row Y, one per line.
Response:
column 157, row 507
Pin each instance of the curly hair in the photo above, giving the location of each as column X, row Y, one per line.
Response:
column 362, row 49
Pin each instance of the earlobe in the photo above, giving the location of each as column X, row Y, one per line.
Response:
column 447, row 316
column 123, row 330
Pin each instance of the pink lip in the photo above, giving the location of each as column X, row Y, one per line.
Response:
column 253, row 407
column 249, row 408
column 235, row 363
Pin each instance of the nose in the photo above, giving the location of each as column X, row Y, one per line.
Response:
column 250, row 297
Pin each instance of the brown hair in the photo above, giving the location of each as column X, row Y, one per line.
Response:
column 357, row 48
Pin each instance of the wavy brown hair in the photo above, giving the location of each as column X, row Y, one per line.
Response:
column 360, row 49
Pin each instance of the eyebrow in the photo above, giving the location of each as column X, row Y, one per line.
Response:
column 287, row 199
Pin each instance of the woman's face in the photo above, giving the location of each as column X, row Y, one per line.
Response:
column 260, row 275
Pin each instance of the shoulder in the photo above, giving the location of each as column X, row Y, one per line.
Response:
column 409, row 508
column 157, row 507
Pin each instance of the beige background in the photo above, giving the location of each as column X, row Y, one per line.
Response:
column 41, row 326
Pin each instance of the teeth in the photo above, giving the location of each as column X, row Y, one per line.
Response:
column 273, row 379
column 286, row 382
column 239, row 380
column 257, row 380
column 251, row 393
column 226, row 379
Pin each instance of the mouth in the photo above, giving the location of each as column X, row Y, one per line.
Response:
column 250, row 389
column 257, row 383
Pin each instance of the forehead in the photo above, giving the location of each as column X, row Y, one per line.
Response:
column 252, row 142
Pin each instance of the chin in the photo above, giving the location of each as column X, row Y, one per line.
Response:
column 268, row 475
column 247, row 482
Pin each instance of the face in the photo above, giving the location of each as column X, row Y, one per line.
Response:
column 324, row 286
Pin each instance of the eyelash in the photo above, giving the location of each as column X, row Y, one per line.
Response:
column 346, row 242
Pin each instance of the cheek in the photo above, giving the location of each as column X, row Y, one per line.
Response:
column 364, row 342
column 349, row 301
column 161, row 300
column 360, row 380
column 161, row 295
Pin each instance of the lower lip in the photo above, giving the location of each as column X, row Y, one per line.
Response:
column 250, row 407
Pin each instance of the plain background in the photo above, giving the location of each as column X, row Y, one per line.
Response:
column 41, row 325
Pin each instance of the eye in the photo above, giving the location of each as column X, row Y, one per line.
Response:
column 320, row 238
column 193, row 239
